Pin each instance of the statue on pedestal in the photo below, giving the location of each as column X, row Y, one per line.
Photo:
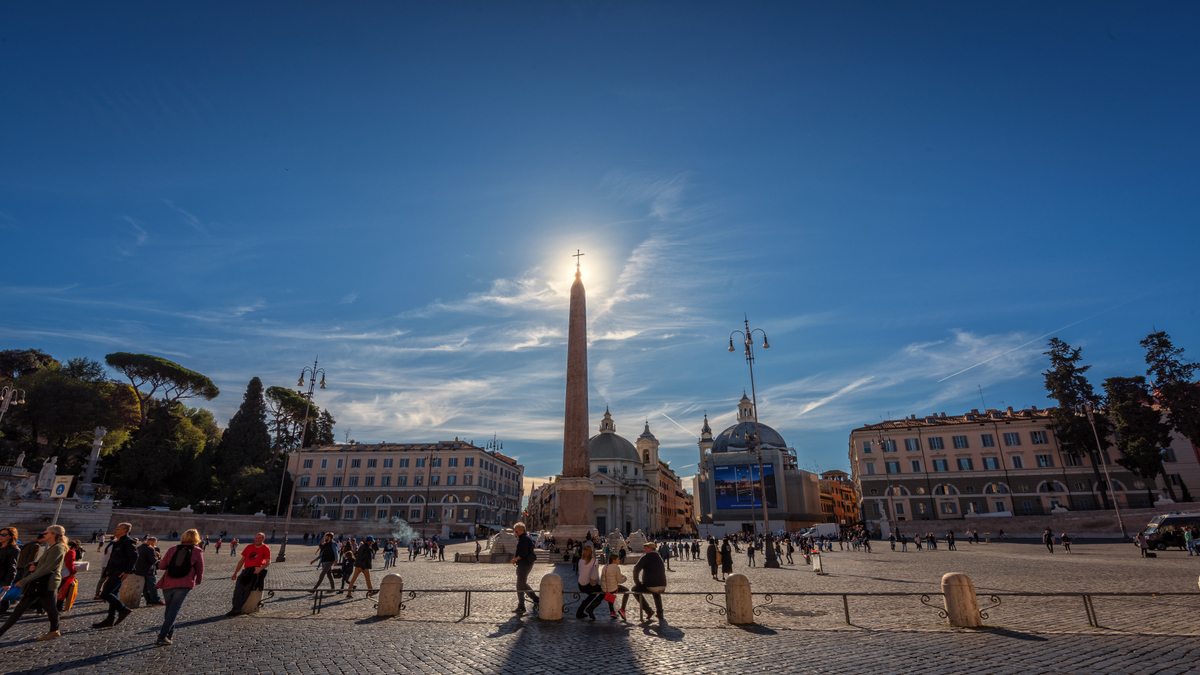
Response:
column 21, row 459
column 45, row 479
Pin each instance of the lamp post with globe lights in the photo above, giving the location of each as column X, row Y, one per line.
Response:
column 1087, row 408
column 310, row 372
column 748, row 340
column 7, row 394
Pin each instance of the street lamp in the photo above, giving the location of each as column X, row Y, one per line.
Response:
column 311, row 373
column 1087, row 407
column 747, row 336
column 892, row 522
column 7, row 394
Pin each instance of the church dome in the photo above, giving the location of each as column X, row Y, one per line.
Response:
column 608, row 445
column 733, row 439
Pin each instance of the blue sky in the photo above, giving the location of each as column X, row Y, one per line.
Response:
column 893, row 192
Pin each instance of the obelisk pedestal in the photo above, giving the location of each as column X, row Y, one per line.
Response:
column 575, row 486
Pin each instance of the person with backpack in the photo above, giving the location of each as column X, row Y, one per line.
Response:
column 184, row 565
column 327, row 555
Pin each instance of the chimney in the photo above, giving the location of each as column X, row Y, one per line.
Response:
column 942, row 415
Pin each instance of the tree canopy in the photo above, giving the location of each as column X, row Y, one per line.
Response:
column 1141, row 431
column 153, row 375
column 1067, row 384
column 1174, row 389
column 16, row 363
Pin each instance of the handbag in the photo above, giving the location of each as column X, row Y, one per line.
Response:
column 609, row 597
column 13, row 593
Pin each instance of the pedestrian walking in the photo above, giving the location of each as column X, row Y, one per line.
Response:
column 610, row 582
column 1143, row 543
column 650, row 576
column 477, row 549
column 122, row 556
column 726, row 560
column 750, row 555
column 950, row 541
column 1066, row 542
column 362, row 567
column 68, row 588
column 183, row 567
column 524, row 560
column 327, row 556
column 256, row 558
column 41, row 584
column 145, row 567
column 711, row 554
column 1048, row 540
column 233, row 547
column 9, row 552
column 903, row 543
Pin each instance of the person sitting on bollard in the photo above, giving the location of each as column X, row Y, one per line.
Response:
column 650, row 576
column 589, row 583
column 256, row 558
column 327, row 554
column 362, row 566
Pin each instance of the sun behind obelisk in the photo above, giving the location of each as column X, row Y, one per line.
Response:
column 575, row 486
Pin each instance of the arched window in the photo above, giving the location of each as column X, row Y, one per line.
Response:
column 383, row 499
column 416, row 499
column 899, row 491
column 1051, row 486
column 318, row 500
column 449, row 499
column 995, row 489
column 351, row 499
column 945, row 490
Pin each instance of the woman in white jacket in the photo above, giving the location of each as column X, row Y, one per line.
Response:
column 589, row 583
column 610, row 582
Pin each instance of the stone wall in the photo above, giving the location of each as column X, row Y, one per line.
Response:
column 244, row 527
column 79, row 519
column 1075, row 523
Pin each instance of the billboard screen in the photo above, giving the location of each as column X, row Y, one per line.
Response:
column 738, row 486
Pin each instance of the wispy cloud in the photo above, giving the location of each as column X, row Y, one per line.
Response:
column 348, row 299
column 191, row 219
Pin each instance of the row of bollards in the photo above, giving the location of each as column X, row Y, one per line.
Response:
column 962, row 607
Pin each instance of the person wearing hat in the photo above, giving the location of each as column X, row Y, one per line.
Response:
column 650, row 576
column 362, row 565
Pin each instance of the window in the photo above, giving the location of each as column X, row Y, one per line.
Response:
column 325, row 464
column 991, row 463
column 1012, row 439
column 960, row 442
column 1072, row 460
column 1017, row 462
column 355, row 463
column 975, row 507
column 451, row 480
column 467, row 479
column 935, row 443
column 870, row 468
column 1028, row 506
column 385, row 480
column 316, row 514
column 381, row 514
column 308, row 463
column 889, row 445
column 348, row 514
column 916, row 466
column 971, row 489
column 1000, row 507
column 1169, row 455
column 466, row 513
column 369, row 481
column 899, row 509
column 987, row 440
column 353, row 481
column 866, row 447
column 387, row 463
column 912, row 444
column 941, row 465
column 602, row 469
column 875, row 508
column 403, row 462
column 470, row 461
column 1045, row 461
column 420, row 462
column 414, row 514
column 922, row 508
column 893, row 467
column 401, row 481
column 437, row 463
column 341, row 463
column 965, row 464
column 337, row 481
column 625, row 469
column 949, row 508
column 1037, row 437
column 320, row 481
column 453, row 461
column 1176, row 480
column 418, row 481
column 372, row 463
column 303, row 481
column 435, row 480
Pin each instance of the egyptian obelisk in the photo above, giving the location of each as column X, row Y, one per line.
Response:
column 575, row 487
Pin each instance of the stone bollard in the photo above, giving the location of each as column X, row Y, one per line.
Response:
column 739, row 608
column 962, row 607
column 391, row 591
column 131, row 591
column 550, row 598
column 252, row 602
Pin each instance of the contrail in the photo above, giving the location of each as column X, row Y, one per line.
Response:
column 678, row 424
column 1042, row 337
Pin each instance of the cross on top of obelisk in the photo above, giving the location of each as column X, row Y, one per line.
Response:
column 577, row 256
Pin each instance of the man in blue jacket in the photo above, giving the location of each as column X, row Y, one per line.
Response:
column 122, row 558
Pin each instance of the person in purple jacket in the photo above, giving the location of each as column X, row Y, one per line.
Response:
column 184, row 565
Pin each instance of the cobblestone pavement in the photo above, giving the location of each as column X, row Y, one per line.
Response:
column 888, row 634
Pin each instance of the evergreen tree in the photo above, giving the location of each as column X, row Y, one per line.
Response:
column 1172, row 382
column 325, row 429
column 1066, row 383
column 161, row 463
column 247, row 441
column 1141, row 431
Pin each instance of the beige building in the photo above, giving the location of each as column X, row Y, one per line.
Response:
column 445, row 488
column 976, row 465
column 676, row 505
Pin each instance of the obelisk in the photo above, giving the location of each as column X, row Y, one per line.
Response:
column 575, row 487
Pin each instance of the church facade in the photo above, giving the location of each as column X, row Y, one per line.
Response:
column 730, row 489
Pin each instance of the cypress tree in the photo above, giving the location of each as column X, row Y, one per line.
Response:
column 247, row 440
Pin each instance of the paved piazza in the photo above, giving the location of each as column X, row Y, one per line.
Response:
column 888, row 635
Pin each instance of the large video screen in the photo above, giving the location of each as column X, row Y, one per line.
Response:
column 739, row 486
